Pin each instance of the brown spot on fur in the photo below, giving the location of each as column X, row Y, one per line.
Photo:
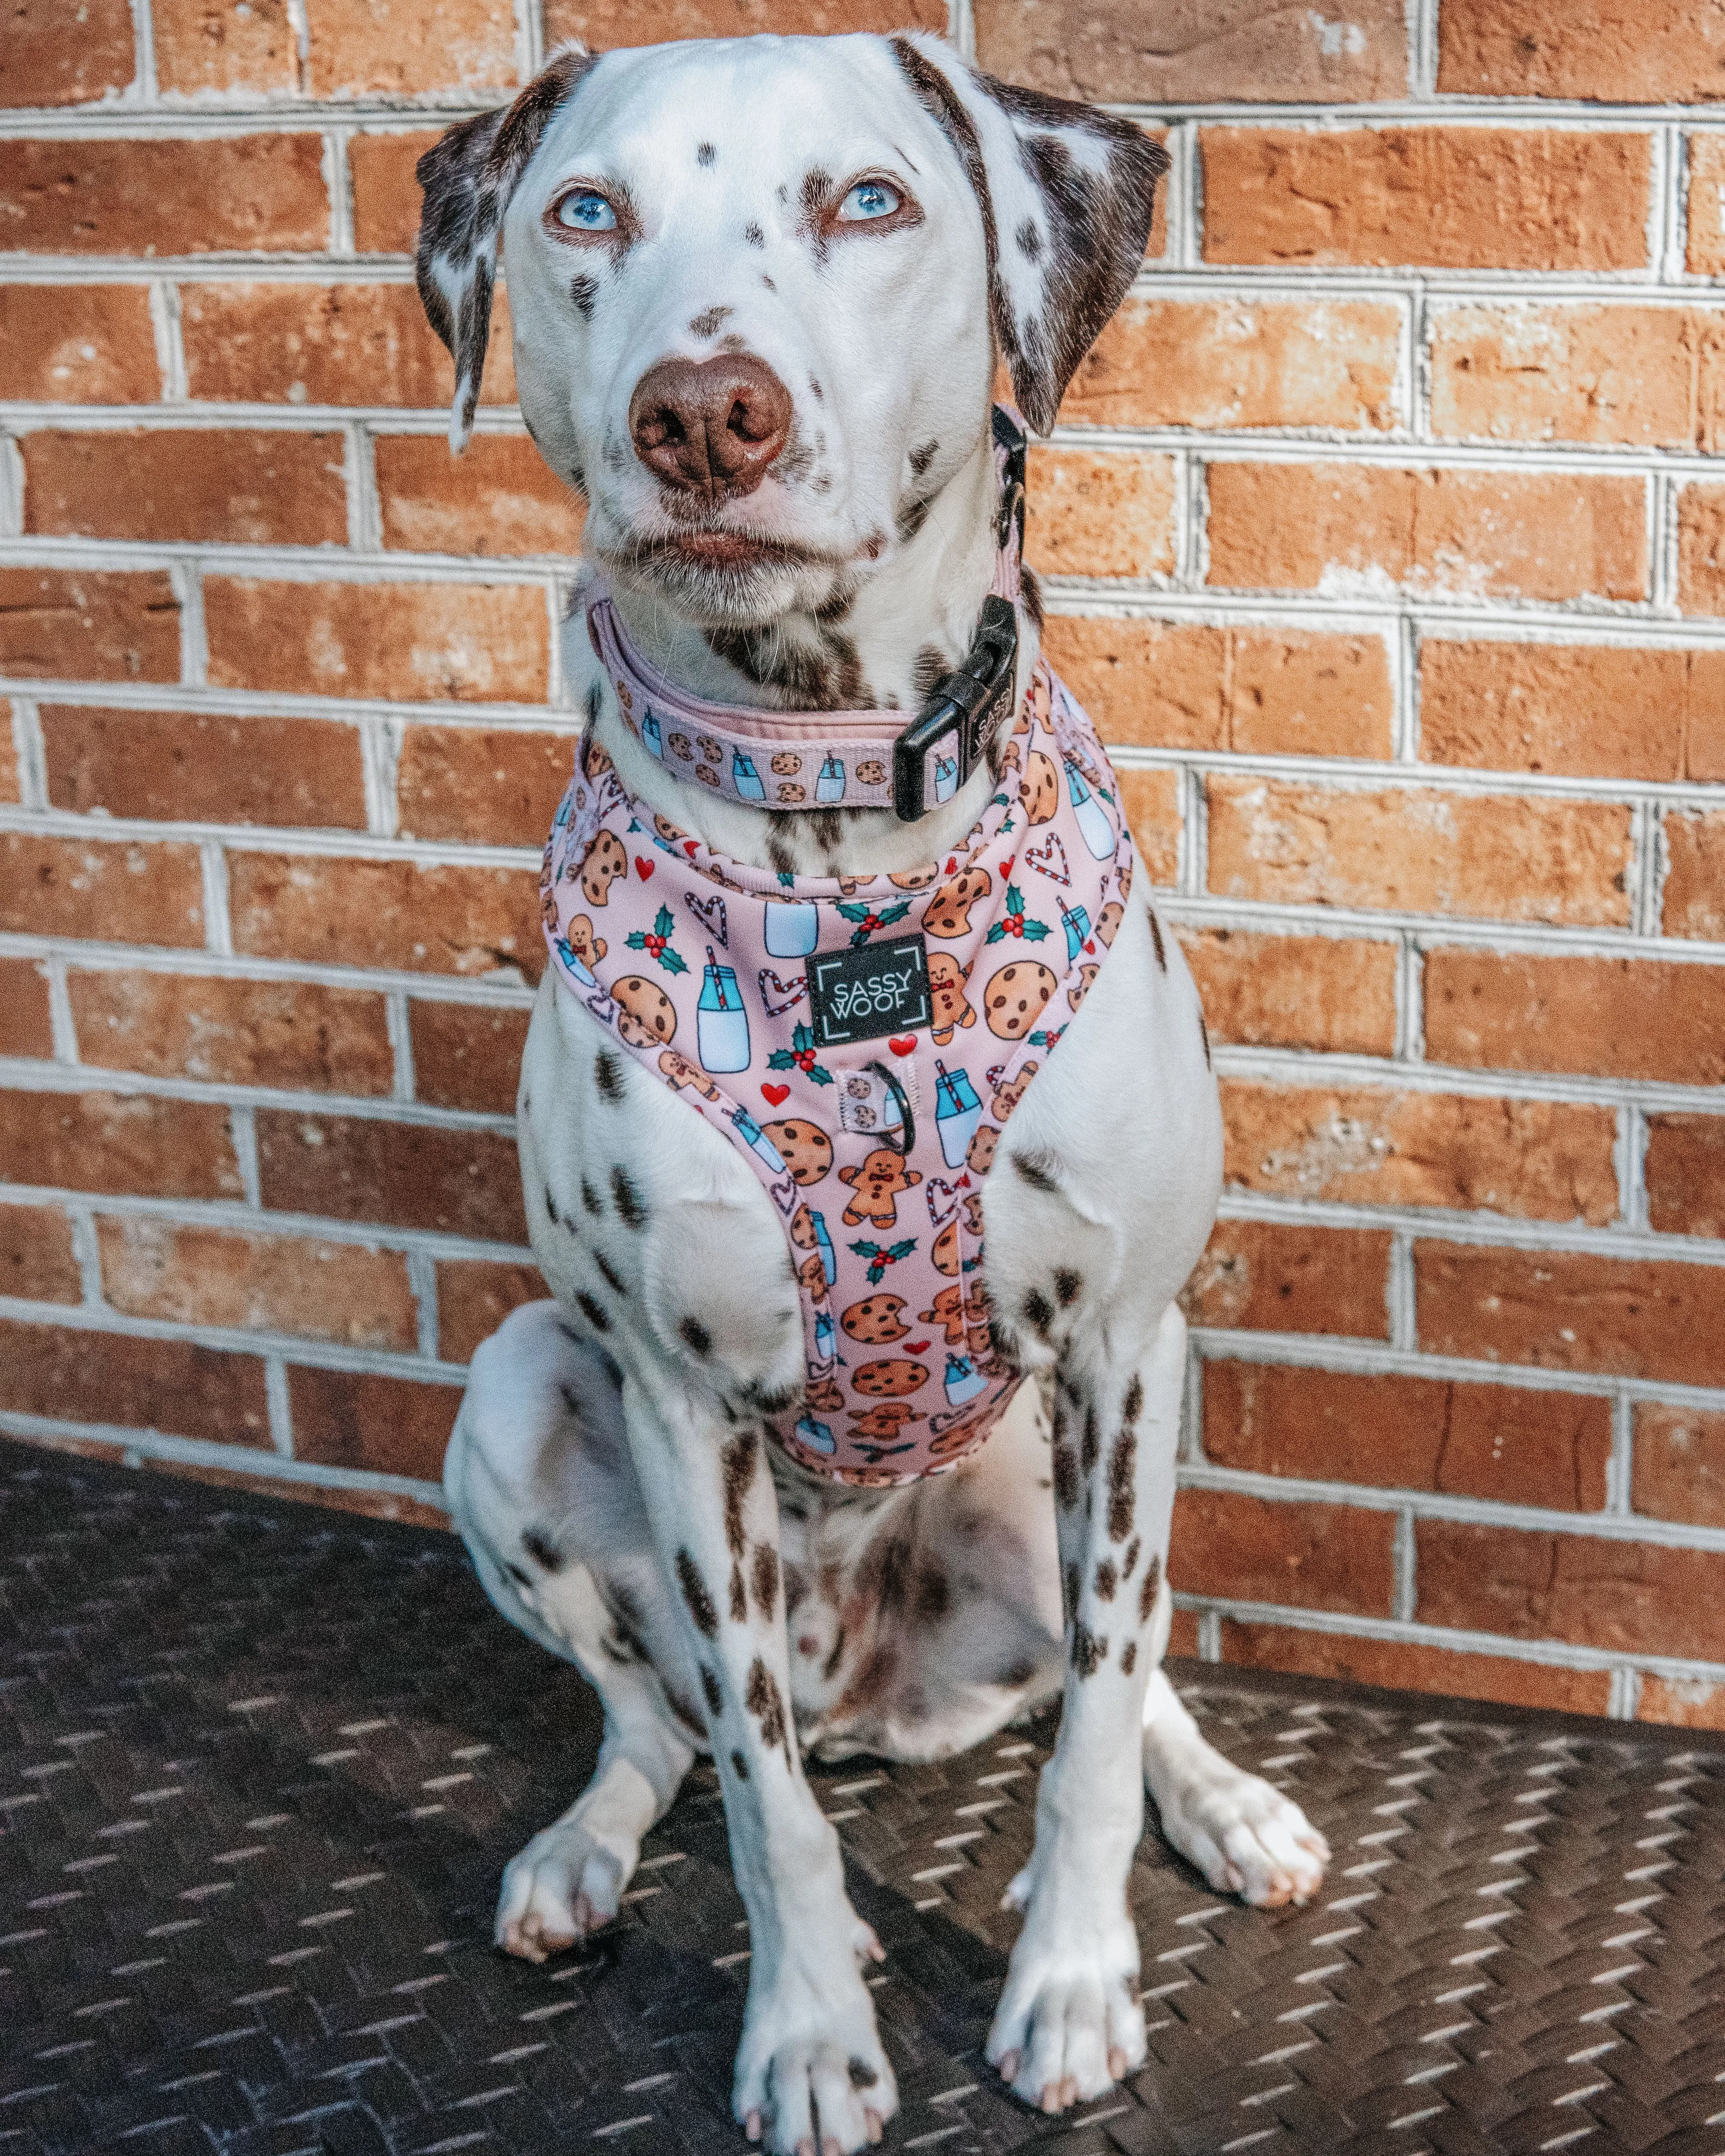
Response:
column 765, row 1577
column 1068, row 1286
column 591, row 1198
column 829, row 1667
column 1089, row 1652
column 609, row 1270
column 1039, row 1313
column 934, row 1595
column 1035, row 1169
column 765, row 1703
column 1205, row 1030
column 1134, row 1406
column 1066, row 1468
column 1069, row 1580
column 1150, row 1589
column 739, row 1766
column 695, row 1594
column 1156, row 937
column 695, row 1337
column 709, row 1685
column 593, row 1312
column 737, row 1464
column 739, row 1600
column 607, row 1072
column 1122, row 1484
column 1107, row 1579
column 1128, row 1658
column 1089, row 1451
column 542, row 1549
column 631, row 1208
column 1129, row 1563
column 862, row 2074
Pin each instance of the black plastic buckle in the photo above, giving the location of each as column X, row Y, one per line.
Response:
column 971, row 704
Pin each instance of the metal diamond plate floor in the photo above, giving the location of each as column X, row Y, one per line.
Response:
column 262, row 1765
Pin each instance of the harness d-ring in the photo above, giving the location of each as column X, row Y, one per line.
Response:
column 904, row 1108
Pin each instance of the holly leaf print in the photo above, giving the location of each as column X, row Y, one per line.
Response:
column 868, row 920
column 658, row 944
column 1034, row 930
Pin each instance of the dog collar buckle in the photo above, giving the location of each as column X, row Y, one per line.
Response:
column 932, row 758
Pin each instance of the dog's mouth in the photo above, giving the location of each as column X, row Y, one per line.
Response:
column 712, row 548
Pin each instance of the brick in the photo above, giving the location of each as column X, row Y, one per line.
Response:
column 1195, row 51
column 246, row 487
column 1265, row 1277
column 1622, row 1596
column 1694, row 903
column 473, row 1300
column 297, row 1034
column 390, row 1426
column 1530, row 1160
column 395, row 914
column 1442, row 198
column 224, row 45
column 327, row 344
column 89, row 624
column 1705, row 252
column 258, row 1283
column 1701, row 547
column 1240, row 362
column 1609, row 1018
column 25, row 1025
column 1408, row 1666
column 1685, row 1171
column 53, row 56
column 11, row 784
column 386, row 199
column 199, row 766
column 1679, row 1469
column 37, row 1260
column 1621, row 51
column 481, row 785
column 502, row 499
column 211, row 194
column 77, row 1375
column 1558, row 1310
column 1152, row 803
column 80, row 344
column 599, row 23
column 448, row 643
column 1685, row 1703
column 1409, row 849
column 1400, row 1433
column 1303, row 1556
column 402, row 1175
column 1653, row 376
column 1264, row 991
column 117, row 1141
column 1183, row 1634
column 1255, row 691
column 1582, row 710
column 121, row 891
column 389, row 46
column 1461, row 534
column 466, row 1055
column 1100, row 513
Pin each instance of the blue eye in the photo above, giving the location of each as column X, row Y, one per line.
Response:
column 867, row 200
column 584, row 211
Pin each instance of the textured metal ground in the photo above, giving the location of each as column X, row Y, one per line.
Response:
column 262, row 1766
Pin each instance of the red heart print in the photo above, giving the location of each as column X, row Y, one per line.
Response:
column 1092, row 947
column 775, row 1096
column 644, row 866
column 902, row 1043
column 916, row 1346
column 951, row 867
column 691, row 846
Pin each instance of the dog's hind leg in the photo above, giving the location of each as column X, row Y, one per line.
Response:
column 542, row 1489
column 1242, row 1834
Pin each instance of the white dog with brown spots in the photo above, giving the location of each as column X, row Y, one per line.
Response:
column 759, row 290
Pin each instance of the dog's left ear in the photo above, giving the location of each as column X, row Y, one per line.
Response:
column 1066, row 194
column 468, row 177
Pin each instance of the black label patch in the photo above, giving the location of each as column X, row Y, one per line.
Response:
column 862, row 995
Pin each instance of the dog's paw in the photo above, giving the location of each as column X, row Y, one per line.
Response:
column 1246, row 1838
column 563, row 1886
column 1069, row 2024
column 811, row 2079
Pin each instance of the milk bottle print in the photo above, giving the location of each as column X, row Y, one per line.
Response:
column 1093, row 825
column 652, row 738
column 826, row 1336
column 1075, row 921
column 946, row 768
column 757, row 1140
column 957, row 1114
column 793, row 926
column 963, row 1382
column 745, row 778
column 816, row 1435
column 829, row 787
column 721, row 1024
column 823, row 1244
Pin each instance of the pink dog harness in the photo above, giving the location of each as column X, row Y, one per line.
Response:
column 862, row 1040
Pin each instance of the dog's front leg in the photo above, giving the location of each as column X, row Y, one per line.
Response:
column 810, row 2071
column 1069, row 2022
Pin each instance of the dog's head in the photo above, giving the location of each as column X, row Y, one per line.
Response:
column 759, row 287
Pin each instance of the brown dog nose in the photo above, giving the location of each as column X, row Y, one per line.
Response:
column 710, row 426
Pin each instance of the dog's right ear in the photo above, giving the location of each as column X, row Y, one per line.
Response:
column 468, row 177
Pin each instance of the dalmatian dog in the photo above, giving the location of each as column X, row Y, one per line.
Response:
column 759, row 289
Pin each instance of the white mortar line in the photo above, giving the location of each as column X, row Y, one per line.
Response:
column 170, row 343
column 19, row 1075
column 280, row 1405
column 1400, row 1300
column 123, row 957
column 31, row 753
column 401, row 1044
column 144, row 50
column 217, row 927
column 1422, row 20
column 1405, row 1592
column 62, row 1026
column 1619, row 1471
column 294, row 1348
column 243, row 1130
column 421, row 1283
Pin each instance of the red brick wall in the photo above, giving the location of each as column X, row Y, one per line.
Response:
column 1382, row 537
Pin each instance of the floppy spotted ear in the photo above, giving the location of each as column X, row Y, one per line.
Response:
column 1066, row 194
column 468, row 177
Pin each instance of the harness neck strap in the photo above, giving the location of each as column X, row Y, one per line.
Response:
column 798, row 760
